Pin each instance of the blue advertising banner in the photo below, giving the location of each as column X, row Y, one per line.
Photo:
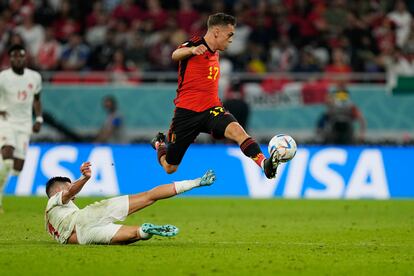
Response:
column 315, row 172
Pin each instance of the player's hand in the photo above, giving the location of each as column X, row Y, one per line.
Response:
column 4, row 114
column 36, row 127
column 199, row 50
column 86, row 170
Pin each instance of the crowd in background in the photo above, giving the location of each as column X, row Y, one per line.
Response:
column 271, row 35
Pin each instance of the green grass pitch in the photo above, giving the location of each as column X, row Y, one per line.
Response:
column 225, row 236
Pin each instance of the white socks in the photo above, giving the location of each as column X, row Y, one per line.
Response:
column 186, row 185
column 143, row 235
column 5, row 169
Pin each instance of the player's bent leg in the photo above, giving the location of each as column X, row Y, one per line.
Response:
column 126, row 235
column 169, row 168
column 251, row 149
column 234, row 131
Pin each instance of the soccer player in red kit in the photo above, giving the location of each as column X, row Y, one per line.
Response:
column 198, row 107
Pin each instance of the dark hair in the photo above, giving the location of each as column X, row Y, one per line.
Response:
column 51, row 182
column 15, row 47
column 220, row 19
column 111, row 99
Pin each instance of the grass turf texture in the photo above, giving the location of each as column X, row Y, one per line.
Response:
column 225, row 236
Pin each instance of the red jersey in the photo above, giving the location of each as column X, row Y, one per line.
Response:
column 198, row 78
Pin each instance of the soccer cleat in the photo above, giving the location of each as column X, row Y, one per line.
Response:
column 166, row 230
column 270, row 165
column 208, row 178
column 160, row 138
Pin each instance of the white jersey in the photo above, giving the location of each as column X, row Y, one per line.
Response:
column 60, row 218
column 16, row 97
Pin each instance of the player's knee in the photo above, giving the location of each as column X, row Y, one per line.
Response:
column 170, row 169
column 235, row 132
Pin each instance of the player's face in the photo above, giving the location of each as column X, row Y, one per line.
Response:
column 18, row 59
column 225, row 36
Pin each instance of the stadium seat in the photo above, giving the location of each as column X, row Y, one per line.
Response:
column 95, row 78
column 66, row 78
column 315, row 92
column 273, row 85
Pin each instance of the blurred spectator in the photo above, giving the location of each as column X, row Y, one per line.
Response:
column 336, row 15
column 112, row 129
column 120, row 69
column 101, row 56
column 307, row 62
column 74, row 54
column 128, row 11
column 14, row 39
column 282, row 55
column 234, row 102
column 32, row 34
column 165, row 43
column 47, row 57
column 110, row 5
column 238, row 48
column 65, row 25
column 365, row 30
column 336, row 124
column 338, row 65
column 385, row 36
column 397, row 64
column 4, row 36
column 97, row 11
column 45, row 14
column 402, row 18
column 156, row 14
column 137, row 53
column 306, row 22
column 186, row 16
column 96, row 35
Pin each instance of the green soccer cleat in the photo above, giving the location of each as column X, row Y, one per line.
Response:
column 208, row 178
column 166, row 230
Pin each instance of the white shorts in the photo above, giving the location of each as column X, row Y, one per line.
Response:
column 18, row 139
column 95, row 223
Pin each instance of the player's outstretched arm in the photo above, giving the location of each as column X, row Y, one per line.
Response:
column 77, row 186
column 185, row 52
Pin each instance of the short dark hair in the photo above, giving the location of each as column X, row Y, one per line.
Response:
column 15, row 47
column 51, row 182
column 220, row 19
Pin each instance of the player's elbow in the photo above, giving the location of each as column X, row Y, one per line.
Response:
column 175, row 56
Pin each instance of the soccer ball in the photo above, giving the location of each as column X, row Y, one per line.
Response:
column 285, row 145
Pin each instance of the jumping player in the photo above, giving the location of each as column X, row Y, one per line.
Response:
column 198, row 107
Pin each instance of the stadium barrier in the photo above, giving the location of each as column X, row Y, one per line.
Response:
column 149, row 108
column 315, row 172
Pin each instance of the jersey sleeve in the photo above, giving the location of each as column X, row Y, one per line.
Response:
column 186, row 44
column 55, row 200
column 38, row 83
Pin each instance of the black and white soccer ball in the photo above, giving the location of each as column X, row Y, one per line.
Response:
column 285, row 145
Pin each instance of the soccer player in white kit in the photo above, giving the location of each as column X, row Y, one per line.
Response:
column 19, row 96
column 94, row 224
